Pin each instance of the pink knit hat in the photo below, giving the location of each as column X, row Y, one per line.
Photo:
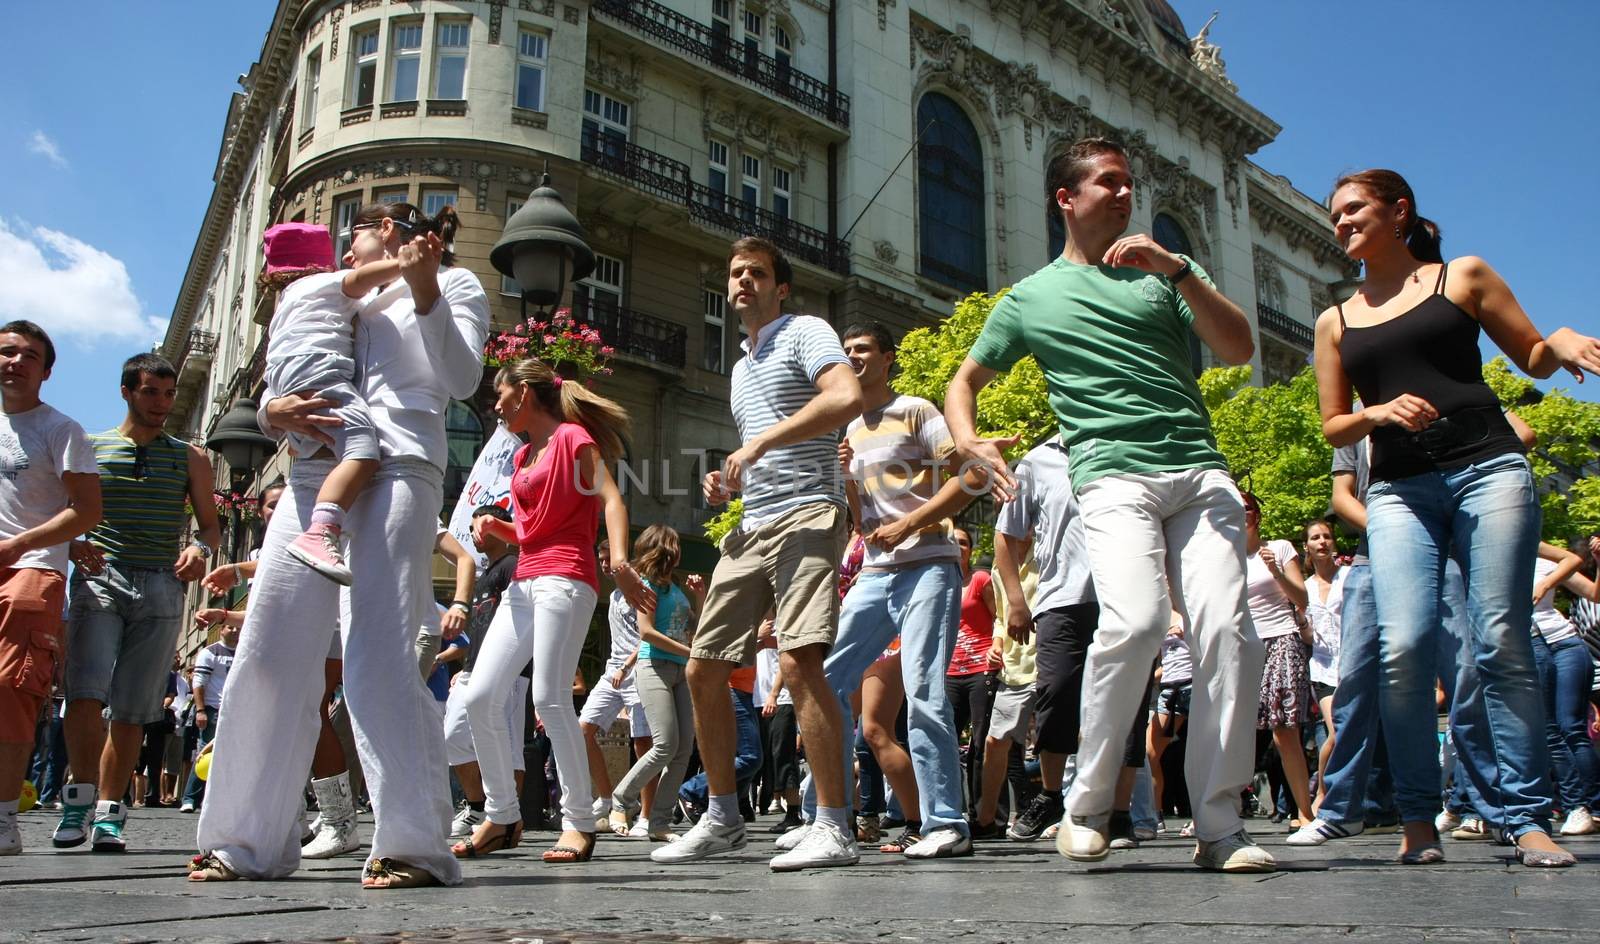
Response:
column 295, row 246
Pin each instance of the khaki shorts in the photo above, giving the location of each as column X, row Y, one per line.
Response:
column 30, row 637
column 790, row 563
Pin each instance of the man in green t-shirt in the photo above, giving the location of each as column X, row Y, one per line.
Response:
column 1109, row 323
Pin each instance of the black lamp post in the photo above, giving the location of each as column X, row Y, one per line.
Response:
column 243, row 447
column 543, row 248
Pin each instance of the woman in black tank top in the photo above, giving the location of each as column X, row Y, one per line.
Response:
column 1448, row 480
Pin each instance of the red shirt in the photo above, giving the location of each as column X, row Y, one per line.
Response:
column 977, row 630
column 556, row 522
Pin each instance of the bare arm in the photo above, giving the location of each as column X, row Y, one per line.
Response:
column 454, row 620
column 190, row 565
column 1522, row 429
column 1217, row 321
column 657, row 639
column 961, row 415
column 1345, row 503
column 1009, row 552
column 1567, row 564
column 592, row 473
column 838, row 401
column 82, row 513
column 1503, row 319
column 956, row 493
column 364, row 278
column 1341, row 426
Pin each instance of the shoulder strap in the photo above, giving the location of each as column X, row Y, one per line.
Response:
column 1444, row 270
column 1340, row 307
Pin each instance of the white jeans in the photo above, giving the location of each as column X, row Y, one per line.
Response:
column 546, row 619
column 458, row 727
column 268, row 729
column 1144, row 533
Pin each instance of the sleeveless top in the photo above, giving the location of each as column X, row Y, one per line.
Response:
column 1430, row 351
column 145, row 490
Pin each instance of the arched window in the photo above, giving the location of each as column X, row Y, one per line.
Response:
column 1170, row 235
column 463, row 432
column 950, row 196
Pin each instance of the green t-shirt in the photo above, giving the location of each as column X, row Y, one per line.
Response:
column 1113, row 344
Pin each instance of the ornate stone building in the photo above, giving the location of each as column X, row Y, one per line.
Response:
column 896, row 149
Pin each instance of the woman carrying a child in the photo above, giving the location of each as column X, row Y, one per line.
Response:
column 418, row 343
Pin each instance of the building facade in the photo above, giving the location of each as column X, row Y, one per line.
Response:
column 896, row 150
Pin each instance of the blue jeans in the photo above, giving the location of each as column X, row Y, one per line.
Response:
column 1358, row 785
column 49, row 770
column 1144, row 799
column 195, row 790
column 1566, row 672
column 1483, row 515
column 922, row 604
column 1474, row 789
column 746, row 757
column 122, row 627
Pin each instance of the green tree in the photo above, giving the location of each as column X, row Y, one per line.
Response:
column 1272, row 439
column 1568, row 431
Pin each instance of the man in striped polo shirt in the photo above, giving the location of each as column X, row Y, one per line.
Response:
column 903, row 493
column 792, row 391
column 126, row 599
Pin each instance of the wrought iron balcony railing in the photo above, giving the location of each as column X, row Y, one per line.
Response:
column 796, row 239
column 1287, row 328
column 651, row 172
column 698, row 41
column 635, row 333
column 202, row 343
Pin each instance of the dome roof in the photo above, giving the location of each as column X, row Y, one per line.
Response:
column 1168, row 21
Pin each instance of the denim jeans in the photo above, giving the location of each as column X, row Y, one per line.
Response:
column 1474, row 789
column 1352, row 775
column 194, row 792
column 1565, row 673
column 1483, row 515
column 923, row 604
column 1144, row 799
column 747, row 756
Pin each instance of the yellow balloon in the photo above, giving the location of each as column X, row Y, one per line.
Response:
column 202, row 767
column 28, row 798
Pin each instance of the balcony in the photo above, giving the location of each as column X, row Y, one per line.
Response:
column 697, row 41
column 746, row 219
column 636, row 334
column 1280, row 324
column 653, row 173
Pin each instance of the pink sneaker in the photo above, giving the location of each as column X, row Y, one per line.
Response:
column 318, row 548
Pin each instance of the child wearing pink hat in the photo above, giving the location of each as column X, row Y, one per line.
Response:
column 310, row 346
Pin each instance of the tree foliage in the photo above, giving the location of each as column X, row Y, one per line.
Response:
column 1272, row 439
column 1569, row 432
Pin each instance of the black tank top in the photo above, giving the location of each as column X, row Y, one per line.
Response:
column 1430, row 351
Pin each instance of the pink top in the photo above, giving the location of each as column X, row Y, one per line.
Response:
column 556, row 522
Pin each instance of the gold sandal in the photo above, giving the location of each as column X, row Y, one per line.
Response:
column 392, row 873
column 206, row 867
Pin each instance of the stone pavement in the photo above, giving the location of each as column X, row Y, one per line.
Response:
column 1019, row 894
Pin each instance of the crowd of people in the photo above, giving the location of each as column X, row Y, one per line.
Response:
column 844, row 660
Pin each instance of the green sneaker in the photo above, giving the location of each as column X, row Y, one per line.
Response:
column 77, row 805
column 106, row 834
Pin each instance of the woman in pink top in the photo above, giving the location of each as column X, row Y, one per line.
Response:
column 558, row 491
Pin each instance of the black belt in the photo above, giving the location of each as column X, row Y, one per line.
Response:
column 1449, row 434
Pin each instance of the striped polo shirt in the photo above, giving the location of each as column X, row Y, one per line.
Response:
column 897, row 450
column 146, row 491
column 773, row 381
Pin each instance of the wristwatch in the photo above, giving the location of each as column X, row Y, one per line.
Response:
column 465, row 606
column 204, row 549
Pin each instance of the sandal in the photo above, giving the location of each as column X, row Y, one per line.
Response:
column 1426, row 854
column 509, row 837
column 206, row 867
column 618, row 822
column 392, row 873
column 909, row 836
column 1545, row 858
column 562, row 854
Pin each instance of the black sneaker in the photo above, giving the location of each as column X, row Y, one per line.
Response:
column 1040, row 814
column 745, row 810
column 1122, row 830
column 791, row 820
column 981, row 832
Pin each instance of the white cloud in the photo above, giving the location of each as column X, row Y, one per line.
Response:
column 70, row 288
column 41, row 144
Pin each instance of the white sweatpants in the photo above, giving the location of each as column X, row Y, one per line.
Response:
column 1143, row 533
column 267, row 732
column 546, row 619
column 458, row 727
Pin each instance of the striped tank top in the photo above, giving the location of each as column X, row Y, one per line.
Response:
column 146, row 491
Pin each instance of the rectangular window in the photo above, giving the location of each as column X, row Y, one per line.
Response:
column 405, row 61
column 532, row 53
column 435, row 199
column 717, row 171
column 345, row 209
column 752, row 42
column 780, row 192
column 783, row 51
column 450, row 60
column 722, row 31
column 363, row 67
column 605, row 123
column 508, row 285
column 600, row 295
column 397, row 195
column 308, row 95
column 750, row 186
column 715, row 337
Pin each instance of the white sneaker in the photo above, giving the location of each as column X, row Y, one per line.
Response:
column 1143, row 834
column 105, row 834
column 1085, row 838
column 10, row 835
column 1319, row 831
column 1235, row 853
column 824, row 847
column 792, row 838
column 77, row 809
column 467, row 819
column 1472, row 829
column 1579, row 823
column 946, row 842
column 703, row 841
column 1446, row 821
column 187, row 807
column 602, row 815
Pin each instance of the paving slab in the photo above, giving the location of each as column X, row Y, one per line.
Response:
column 1008, row 893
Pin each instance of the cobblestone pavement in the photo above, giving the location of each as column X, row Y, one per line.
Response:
column 1346, row 891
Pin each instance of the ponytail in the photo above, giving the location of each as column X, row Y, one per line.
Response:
column 604, row 418
column 446, row 224
column 1423, row 236
column 413, row 222
column 1424, row 240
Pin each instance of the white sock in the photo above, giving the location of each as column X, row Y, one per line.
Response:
column 724, row 810
column 9, row 807
column 836, row 816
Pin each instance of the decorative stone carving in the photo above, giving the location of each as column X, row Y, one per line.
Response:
column 570, row 14
column 333, row 41
column 1108, row 11
column 1231, row 188
column 1207, row 56
column 886, row 252
column 484, row 172
column 547, row 8
column 444, row 167
column 392, row 168
column 497, row 9
column 883, row 13
column 356, row 6
column 608, row 68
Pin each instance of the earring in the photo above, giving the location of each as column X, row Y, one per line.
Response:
column 1397, row 231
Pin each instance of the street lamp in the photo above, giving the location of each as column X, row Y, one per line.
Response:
column 243, row 447
column 542, row 248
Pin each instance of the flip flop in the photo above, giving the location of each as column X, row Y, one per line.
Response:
column 509, row 837
column 206, row 867
column 396, row 874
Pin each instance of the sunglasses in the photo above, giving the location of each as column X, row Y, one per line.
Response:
column 141, row 462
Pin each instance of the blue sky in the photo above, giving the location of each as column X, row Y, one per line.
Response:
column 109, row 135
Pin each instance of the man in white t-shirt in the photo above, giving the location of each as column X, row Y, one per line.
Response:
column 49, row 494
